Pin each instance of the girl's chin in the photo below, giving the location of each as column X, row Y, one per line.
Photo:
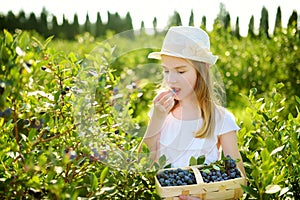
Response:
column 177, row 98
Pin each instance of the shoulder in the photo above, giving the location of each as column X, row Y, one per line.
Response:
column 225, row 121
column 223, row 113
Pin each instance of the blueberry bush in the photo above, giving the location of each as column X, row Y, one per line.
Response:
column 69, row 129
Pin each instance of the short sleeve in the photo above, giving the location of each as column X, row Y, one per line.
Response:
column 150, row 113
column 226, row 123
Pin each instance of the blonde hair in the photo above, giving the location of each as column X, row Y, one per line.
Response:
column 205, row 97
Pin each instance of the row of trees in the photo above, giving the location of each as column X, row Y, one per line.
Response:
column 66, row 29
column 117, row 24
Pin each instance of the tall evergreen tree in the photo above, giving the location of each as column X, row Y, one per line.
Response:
column 227, row 22
column 237, row 28
column 175, row 20
column 100, row 28
column 191, row 20
column 222, row 20
column 278, row 22
column 142, row 29
column 251, row 27
column 128, row 26
column 2, row 22
column 75, row 28
column 154, row 22
column 42, row 27
column 54, row 26
column 32, row 22
column 292, row 23
column 11, row 21
column 21, row 20
column 128, row 22
column 87, row 24
column 114, row 22
column 203, row 22
column 264, row 23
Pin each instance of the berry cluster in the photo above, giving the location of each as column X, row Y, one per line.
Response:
column 213, row 173
column 176, row 177
column 6, row 113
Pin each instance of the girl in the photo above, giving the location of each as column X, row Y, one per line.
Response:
column 185, row 119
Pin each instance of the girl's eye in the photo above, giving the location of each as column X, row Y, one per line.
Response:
column 165, row 71
column 181, row 72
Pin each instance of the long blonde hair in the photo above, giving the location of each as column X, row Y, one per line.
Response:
column 206, row 101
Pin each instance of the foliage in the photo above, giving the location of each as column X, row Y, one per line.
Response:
column 46, row 153
column 42, row 152
column 271, row 148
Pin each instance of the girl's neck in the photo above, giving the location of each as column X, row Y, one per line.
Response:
column 187, row 110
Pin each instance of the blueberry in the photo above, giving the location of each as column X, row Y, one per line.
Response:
column 7, row 112
column 67, row 89
column 181, row 174
column 1, row 90
column 232, row 175
column 63, row 92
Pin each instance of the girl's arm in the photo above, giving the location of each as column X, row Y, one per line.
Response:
column 163, row 103
column 229, row 146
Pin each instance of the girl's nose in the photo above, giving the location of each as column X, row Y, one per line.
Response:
column 171, row 78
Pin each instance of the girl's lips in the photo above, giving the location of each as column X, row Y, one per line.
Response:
column 175, row 90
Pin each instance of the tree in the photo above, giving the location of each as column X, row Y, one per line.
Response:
column 155, row 25
column 278, row 23
column 21, row 20
column 2, row 22
column 87, row 24
column 128, row 22
column 75, row 29
column 142, row 29
column 100, row 28
column 264, row 23
column 191, row 20
column 42, row 27
column 203, row 22
column 237, row 29
column 222, row 20
column 175, row 20
column 227, row 22
column 292, row 23
column 11, row 21
column 32, row 22
column 55, row 28
column 251, row 27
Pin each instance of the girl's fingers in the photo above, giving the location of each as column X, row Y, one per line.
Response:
column 162, row 96
column 164, row 102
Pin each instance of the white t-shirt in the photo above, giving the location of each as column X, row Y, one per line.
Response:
column 178, row 144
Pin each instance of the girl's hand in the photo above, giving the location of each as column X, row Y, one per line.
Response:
column 184, row 197
column 163, row 103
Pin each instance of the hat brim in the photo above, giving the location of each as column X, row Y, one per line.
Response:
column 157, row 55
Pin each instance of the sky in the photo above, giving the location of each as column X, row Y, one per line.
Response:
column 146, row 10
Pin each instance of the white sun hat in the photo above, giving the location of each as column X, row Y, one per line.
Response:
column 186, row 42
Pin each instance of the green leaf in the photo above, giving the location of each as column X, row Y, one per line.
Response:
column 8, row 37
column 103, row 175
column 271, row 189
column 162, row 160
column 94, row 181
column 279, row 85
column 250, row 191
column 216, row 167
column 297, row 99
column 278, row 149
column 193, row 161
column 31, row 134
column 283, row 191
column 200, row 160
